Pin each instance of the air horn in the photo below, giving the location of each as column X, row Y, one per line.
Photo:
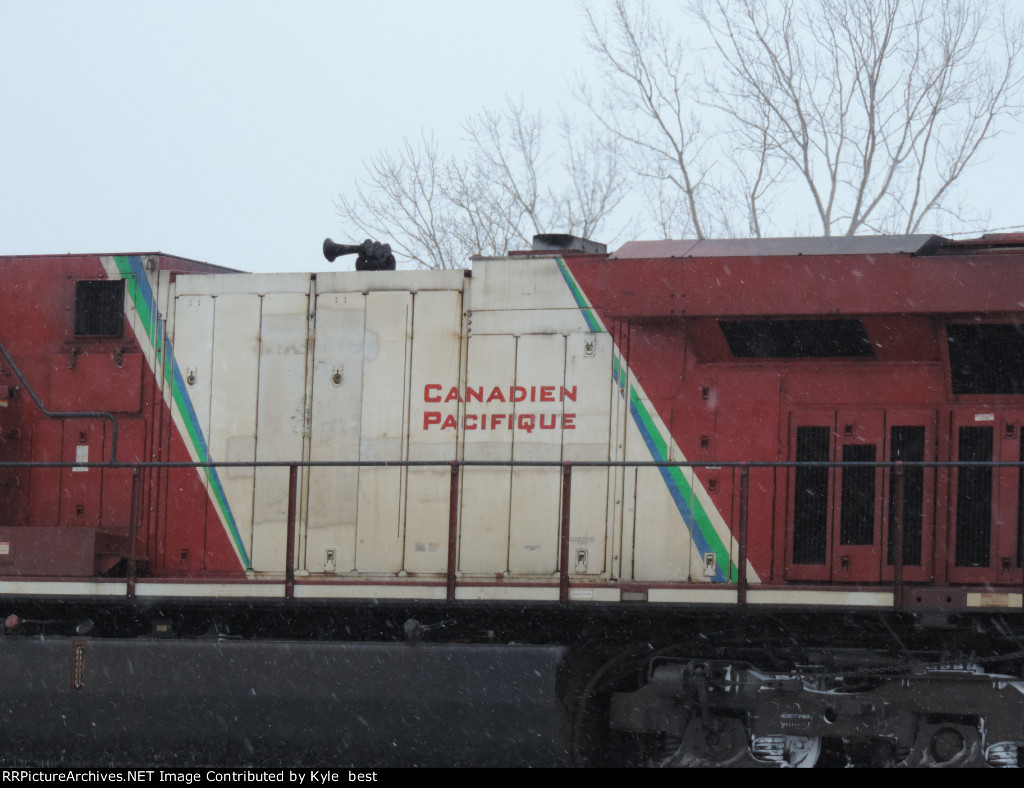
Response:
column 373, row 255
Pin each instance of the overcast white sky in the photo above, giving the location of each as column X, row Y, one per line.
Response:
column 221, row 130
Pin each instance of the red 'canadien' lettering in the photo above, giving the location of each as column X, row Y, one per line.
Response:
column 432, row 393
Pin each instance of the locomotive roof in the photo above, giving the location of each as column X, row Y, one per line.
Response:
column 165, row 261
column 807, row 276
column 914, row 245
column 770, row 247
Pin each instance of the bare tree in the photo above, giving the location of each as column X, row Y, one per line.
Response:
column 867, row 110
column 438, row 210
column 648, row 105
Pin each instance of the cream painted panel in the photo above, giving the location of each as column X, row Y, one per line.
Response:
column 662, row 522
column 662, row 544
column 436, row 344
column 621, row 497
column 519, row 283
column 241, row 283
column 279, row 420
column 380, row 281
column 536, row 321
column 336, row 412
column 508, row 593
column 536, row 492
column 662, row 547
column 588, row 378
column 484, row 521
column 235, row 376
column 588, row 520
column 386, row 344
column 193, row 349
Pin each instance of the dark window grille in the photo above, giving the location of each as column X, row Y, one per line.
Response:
column 797, row 338
column 986, row 358
column 99, row 308
column 1020, row 502
column 857, row 500
column 906, row 444
column 810, row 499
column 974, row 498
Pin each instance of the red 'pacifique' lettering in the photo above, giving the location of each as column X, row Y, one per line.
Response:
column 521, row 422
column 432, row 417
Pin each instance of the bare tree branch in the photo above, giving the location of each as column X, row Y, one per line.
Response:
column 869, row 111
column 828, row 116
column 438, row 211
column 650, row 108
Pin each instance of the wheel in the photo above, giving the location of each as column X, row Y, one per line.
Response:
column 595, row 741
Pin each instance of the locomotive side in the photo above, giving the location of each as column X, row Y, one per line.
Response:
column 791, row 468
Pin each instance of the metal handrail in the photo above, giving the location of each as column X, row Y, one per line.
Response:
column 742, row 467
column 706, row 464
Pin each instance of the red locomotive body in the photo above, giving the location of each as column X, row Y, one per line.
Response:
column 842, row 351
column 78, row 392
column 792, row 469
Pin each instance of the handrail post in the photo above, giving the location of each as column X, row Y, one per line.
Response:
column 289, row 570
column 453, row 529
column 897, row 528
column 133, row 532
column 563, row 561
column 741, row 589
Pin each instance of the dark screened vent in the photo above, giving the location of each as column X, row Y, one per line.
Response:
column 810, row 496
column 797, row 338
column 907, row 445
column 99, row 308
column 986, row 358
column 1020, row 505
column 857, row 500
column 974, row 497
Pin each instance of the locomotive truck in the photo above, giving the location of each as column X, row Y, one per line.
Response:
column 715, row 502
